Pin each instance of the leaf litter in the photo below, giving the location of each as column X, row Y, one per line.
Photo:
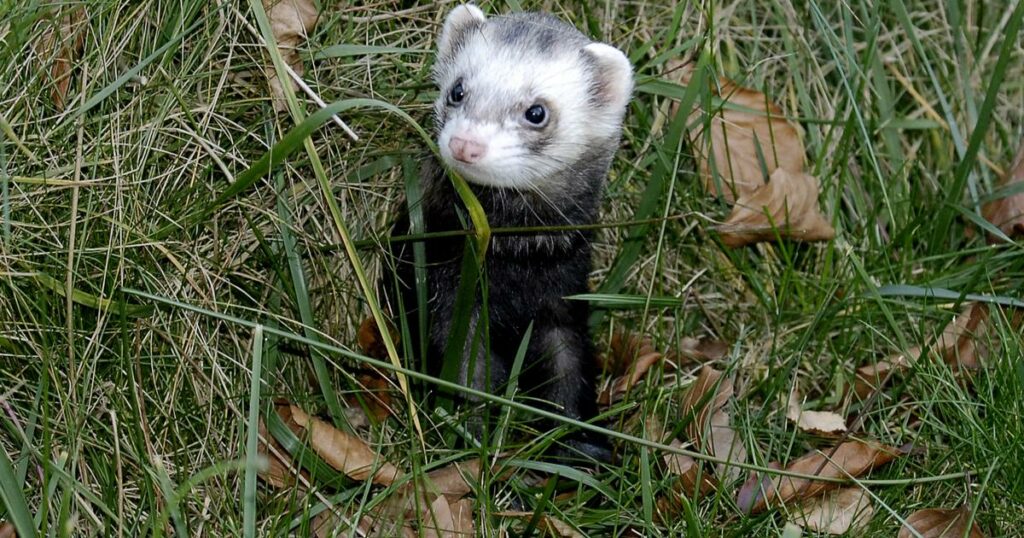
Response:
column 1007, row 212
column 941, row 523
column 748, row 138
column 291, row 21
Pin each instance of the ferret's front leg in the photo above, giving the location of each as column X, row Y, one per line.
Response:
column 567, row 356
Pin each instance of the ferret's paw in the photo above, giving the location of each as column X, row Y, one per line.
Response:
column 584, row 450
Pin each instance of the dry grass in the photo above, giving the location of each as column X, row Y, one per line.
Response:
column 121, row 413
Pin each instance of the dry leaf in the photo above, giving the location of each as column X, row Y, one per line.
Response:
column 370, row 340
column 872, row 377
column 849, row 459
column 280, row 472
column 547, row 523
column 462, row 514
column 438, row 521
column 345, row 452
column 290, row 21
column 709, row 428
column 1007, row 213
column 941, row 523
column 963, row 342
column 450, row 483
column 693, row 482
column 699, row 350
column 818, row 422
column 741, row 138
column 786, row 207
column 755, row 488
column 451, row 480
column 63, row 43
column 376, row 395
column 836, row 512
column 628, row 361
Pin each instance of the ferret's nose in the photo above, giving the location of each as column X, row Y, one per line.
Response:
column 467, row 151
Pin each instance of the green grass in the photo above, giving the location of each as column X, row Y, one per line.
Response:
column 132, row 413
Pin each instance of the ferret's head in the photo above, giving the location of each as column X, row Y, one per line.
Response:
column 525, row 97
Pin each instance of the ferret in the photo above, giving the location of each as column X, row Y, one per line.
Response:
column 530, row 113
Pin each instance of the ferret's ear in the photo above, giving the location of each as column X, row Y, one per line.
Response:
column 613, row 80
column 456, row 23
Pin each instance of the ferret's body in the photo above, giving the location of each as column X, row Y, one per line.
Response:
column 498, row 77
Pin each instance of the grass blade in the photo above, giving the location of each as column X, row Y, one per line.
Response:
column 252, row 459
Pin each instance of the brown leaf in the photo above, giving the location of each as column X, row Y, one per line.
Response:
column 280, row 472
column 376, row 395
column 964, row 341
column 451, row 480
column 709, row 428
column 836, row 512
column 290, row 21
column 941, row 523
column 693, row 482
column 818, row 422
column 548, row 524
column 438, row 521
column 371, row 341
column 786, row 207
column 872, row 377
column 755, row 488
column 462, row 513
column 630, row 357
column 625, row 348
column 740, row 135
column 346, row 453
column 1007, row 213
column 849, row 459
column 63, row 42
column 697, row 350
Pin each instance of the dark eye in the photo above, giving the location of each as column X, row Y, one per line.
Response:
column 536, row 114
column 457, row 94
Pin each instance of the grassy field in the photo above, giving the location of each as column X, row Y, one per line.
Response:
column 145, row 231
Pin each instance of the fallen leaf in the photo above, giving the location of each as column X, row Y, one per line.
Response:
column 748, row 131
column 547, row 523
column 371, row 341
column 290, row 21
column 280, row 471
column 375, row 395
column 709, row 429
column 872, row 377
column 786, row 207
column 693, row 482
column 346, row 453
column 62, row 41
column 963, row 342
column 836, row 512
column 629, row 359
column 941, row 523
column 438, row 521
column 462, row 514
column 1007, row 213
column 454, row 480
column 755, row 489
column 849, row 459
column 818, row 422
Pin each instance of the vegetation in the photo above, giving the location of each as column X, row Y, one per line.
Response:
column 166, row 276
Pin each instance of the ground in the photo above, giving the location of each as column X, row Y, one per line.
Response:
column 142, row 241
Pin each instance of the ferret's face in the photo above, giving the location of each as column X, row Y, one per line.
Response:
column 522, row 99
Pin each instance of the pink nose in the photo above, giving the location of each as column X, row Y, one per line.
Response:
column 467, row 151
